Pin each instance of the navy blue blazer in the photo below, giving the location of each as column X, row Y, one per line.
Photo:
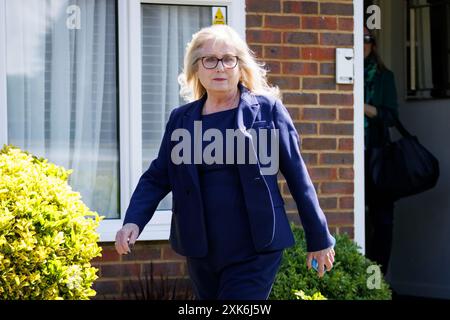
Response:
column 269, row 225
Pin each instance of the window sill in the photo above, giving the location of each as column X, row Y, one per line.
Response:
column 157, row 229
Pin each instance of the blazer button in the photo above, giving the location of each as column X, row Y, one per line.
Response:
column 257, row 178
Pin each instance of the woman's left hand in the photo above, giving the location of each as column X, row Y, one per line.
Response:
column 325, row 258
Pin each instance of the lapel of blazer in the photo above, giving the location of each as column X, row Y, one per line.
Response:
column 247, row 110
column 245, row 116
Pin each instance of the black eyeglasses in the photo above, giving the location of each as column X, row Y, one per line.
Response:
column 368, row 38
column 211, row 62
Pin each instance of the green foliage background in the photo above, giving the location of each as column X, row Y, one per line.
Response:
column 346, row 281
column 47, row 234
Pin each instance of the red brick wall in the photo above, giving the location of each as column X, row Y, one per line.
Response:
column 121, row 275
column 297, row 40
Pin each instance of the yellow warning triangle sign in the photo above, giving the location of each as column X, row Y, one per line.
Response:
column 218, row 17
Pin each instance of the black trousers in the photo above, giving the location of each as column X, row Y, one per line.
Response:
column 379, row 222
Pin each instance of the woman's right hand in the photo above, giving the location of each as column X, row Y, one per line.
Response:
column 125, row 237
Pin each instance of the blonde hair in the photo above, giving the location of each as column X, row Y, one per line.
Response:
column 253, row 75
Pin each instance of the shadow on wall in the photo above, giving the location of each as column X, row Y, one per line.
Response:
column 420, row 252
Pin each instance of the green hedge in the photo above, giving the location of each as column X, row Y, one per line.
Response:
column 47, row 234
column 348, row 280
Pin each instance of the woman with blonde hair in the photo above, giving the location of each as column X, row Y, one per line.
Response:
column 220, row 156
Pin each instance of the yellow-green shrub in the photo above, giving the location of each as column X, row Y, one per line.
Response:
column 348, row 280
column 47, row 234
column 300, row 295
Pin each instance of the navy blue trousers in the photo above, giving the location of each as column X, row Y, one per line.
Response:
column 249, row 279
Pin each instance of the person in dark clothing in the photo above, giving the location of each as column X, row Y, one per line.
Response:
column 380, row 108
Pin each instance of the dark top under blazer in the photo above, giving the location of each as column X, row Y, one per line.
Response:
column 269, row 225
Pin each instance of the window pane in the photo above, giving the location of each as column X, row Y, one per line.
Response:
column 428, row 50
column 165, row 32
column 61, row 90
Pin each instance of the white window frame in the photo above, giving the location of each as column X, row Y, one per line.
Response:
column 358, row 127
